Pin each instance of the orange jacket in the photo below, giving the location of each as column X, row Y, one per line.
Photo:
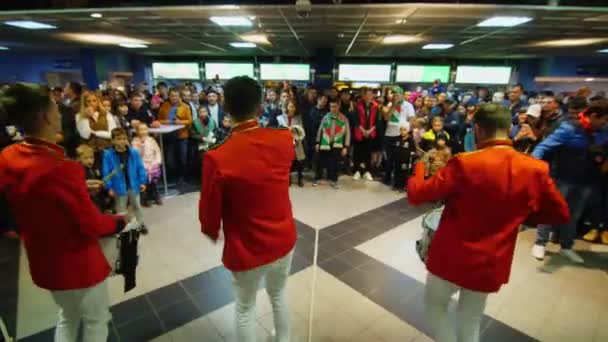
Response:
column 183, row 114
column 246, row 192
column 487, row 194
column 59, row 224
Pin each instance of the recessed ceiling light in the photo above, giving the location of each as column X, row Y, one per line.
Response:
column 3, row 48
column 400, row 39
column 231, row 21
column 340, row 35
column 589, row 79
column 258, row 38
column 603, row 51
column 229, row 7
column 437, row 46
column 30, row 25
column 243, row 45
column 104, row 38
column 400, row 21
column 133, row 45
column 505, row 21
column 96, row 15
column 570, row 42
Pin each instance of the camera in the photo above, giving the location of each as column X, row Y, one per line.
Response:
column 303, row 8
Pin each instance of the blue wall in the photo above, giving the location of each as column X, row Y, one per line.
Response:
column 93, row 65
column 31, row 67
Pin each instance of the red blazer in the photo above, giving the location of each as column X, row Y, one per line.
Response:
column 59, row 224
column 362, row 119
column 487, row 194
column 246, row 193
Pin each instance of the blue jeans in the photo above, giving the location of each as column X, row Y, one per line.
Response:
column 576, row 196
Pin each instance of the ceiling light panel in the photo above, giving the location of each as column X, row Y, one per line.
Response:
column 30, row 25
column 603, row 51
column 133, row 46
column 400, row 39
column 103, row 38
column 3, row 48
column 257, row 38
column 504, row 21
column 231, row 21
column 244, row 45
column 437, row 46
column 96, row 15
column 570, row 42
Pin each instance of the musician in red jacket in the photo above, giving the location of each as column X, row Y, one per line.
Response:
column 488, row 194
column 60, row 226
column 365, row 134
column 246, row 194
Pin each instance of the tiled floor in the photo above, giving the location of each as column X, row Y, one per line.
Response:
column 368, row 284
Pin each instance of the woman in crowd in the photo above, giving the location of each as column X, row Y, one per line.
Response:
column 61, row 239
column 94, row 122
column 294, row 122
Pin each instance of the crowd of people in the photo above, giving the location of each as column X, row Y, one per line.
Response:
column 367, row 134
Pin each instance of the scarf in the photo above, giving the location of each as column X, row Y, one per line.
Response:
column 334, row 129
column 585, row 123
column 204, row 131
column 396, row 114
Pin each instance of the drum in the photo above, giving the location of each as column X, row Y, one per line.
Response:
column 430, row 222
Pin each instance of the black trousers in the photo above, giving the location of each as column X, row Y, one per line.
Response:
column 298, row 166
column 151, row 194
column 363, row 155
column 328, row 160
column 401, row 174
column 390, row 150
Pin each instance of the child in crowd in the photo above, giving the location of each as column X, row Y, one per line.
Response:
column 417, row 125
column 86, row 158
column 203, row 129
column 429, row 138
column 222, row 132
column 125, row 174
column 333, row 139
column 152, row 158
column 404, row 161
column 120, row 116
column 522, row 134
column 438, row 156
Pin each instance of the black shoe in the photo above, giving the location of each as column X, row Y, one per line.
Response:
column 300, row 183
column 144, row 230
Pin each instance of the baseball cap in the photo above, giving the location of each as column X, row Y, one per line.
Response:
column 534, row 110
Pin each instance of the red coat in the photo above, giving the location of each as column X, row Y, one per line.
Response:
column 362, row 120
column 246, row 193
column 487, row 194
column 59, row 224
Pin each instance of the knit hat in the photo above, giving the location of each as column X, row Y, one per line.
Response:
column 398, row 90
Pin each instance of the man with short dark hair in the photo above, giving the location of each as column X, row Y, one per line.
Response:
column 472, row 250
column 576, row 105
column 175, row 112
column 138, row 111
column 577, row 151
column 551, row 117
column 515, row 104
column 69, row 137
column 240, row 177
column 215, row 110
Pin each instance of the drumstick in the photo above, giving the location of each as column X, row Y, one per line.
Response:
column 111, row 174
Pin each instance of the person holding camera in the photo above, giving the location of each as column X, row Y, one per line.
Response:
column 576, row 150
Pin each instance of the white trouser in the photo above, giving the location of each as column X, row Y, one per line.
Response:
column 130, row 198
column 91, row 305
column 245, row 286
column 470, row 310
